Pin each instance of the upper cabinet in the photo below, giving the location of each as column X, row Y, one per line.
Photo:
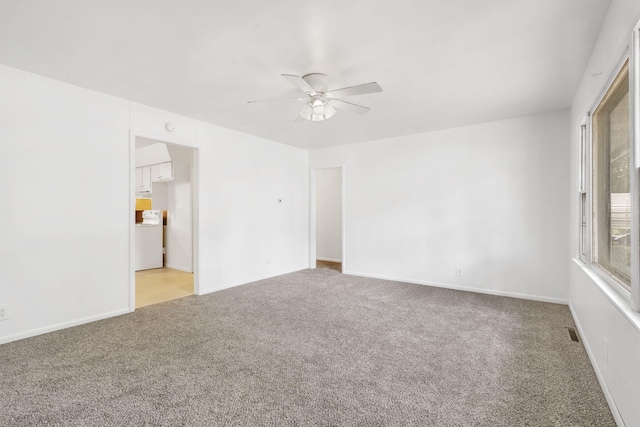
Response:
column 143, row 179
column 162, row 172
column 169, row 171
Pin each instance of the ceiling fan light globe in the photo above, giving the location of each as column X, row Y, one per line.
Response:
column 329, row 110
column 318, row 106
column 317, row 110
column 307, row 111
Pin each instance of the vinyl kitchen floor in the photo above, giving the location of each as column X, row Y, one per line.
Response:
column 162, row 284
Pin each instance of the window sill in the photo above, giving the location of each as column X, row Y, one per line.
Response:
column 620, row 302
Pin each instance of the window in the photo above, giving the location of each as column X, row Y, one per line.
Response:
column 611, row 202
column 582, row 196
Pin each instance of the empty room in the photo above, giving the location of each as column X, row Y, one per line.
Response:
column 296, row 213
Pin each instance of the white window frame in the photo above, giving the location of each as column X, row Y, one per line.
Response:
column 584, row 199
column 586, row 172
column 634, row 119
column 601, row 272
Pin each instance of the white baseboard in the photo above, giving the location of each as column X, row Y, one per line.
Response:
column 244, row 282
column 462, row 288
column 179, row 267
column 64, row 325
column 329, row 259
column 596, row 368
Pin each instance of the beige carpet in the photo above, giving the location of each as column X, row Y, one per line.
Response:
column 311, row 348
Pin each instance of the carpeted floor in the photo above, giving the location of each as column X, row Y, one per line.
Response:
column 312, row 348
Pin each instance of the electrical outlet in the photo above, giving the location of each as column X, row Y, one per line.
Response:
column 459, row 271
column 4, row 312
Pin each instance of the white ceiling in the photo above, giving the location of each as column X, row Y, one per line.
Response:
column 441, row 63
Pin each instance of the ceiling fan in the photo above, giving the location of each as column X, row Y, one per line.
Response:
column 321, row 103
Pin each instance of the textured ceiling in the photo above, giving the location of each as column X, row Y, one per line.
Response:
column 441, row 64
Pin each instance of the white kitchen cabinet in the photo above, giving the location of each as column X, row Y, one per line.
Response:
column 162, row 172
column 169, row 171
column 143, row 179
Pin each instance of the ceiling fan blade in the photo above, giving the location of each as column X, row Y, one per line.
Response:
column 301, row 84
column 344, row 105
column 276, row 100
column 357, row 90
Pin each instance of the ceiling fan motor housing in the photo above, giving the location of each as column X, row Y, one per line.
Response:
column 319, row 82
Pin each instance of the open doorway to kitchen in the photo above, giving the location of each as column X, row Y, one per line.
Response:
column 327, row 218
column 164, row 229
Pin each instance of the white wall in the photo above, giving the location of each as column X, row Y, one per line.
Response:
column 160, row 196
column 66, row 154
column 489, row 198
column 599, row 311
column 329, row 214
column 245, row 234
column 64, row 165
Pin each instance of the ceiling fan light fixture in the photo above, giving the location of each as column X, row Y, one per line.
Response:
column 317, row 110
column 307, row 111
column 321, row 103
column 329, row 111
column 318, row 107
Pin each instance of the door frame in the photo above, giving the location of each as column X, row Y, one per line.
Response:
column 312, row 213
column 195, row 211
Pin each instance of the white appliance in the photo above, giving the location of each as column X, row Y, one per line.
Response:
column 149, row 241
column 151, row 217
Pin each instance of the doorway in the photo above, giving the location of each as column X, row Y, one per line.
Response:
column 327, row 218
column 164, row 226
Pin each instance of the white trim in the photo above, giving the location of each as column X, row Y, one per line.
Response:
column 132, row 217
column 634, row 118
column 589, row 189
column 312, row 218
column 164, row 138
column 610, row 80
column 194, row 176
column 461, row 288
column 584, row 184
column 592, row 267
column 312, row 213
column 603, row 385
column 64, row 325
column 319, row 258
column 246, row 282
column 616, row 299
column 611, row 280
